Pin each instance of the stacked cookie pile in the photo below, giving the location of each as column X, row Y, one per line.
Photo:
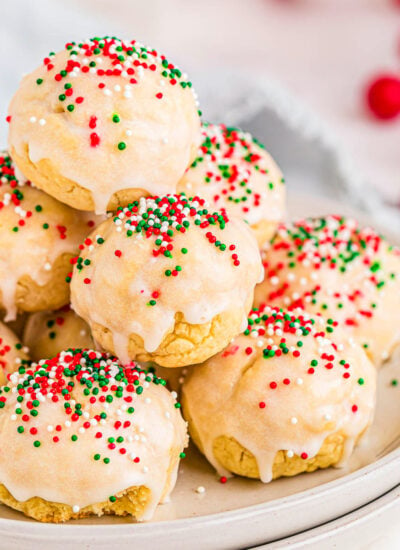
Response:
column 140, row 242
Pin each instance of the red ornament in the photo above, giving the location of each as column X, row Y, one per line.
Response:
column 383, row 97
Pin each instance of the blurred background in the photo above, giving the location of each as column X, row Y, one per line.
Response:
column 294, row 71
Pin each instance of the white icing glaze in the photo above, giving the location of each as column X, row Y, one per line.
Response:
column 230, row 395
column 66, row 471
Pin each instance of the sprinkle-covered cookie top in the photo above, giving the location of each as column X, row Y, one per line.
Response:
column 230, row 158
column 333, row 242
column 107, row 58
column 287, row 332
column 161, row 219
column 77, row 379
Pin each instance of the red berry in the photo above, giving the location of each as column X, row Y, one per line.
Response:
column 383, row 97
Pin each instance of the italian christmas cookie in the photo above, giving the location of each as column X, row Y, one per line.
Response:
column 166, row 280
column 38, row 238
column 47, row 333
column 233, row 170
column 69, row 422
column 103, row 122
column 12, row 353
column 333, row 267
column 289, row 395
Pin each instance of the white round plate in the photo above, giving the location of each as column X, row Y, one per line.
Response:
column 240, row 513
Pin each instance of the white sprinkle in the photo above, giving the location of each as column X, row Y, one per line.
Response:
column 290, row 454
column 47, row 266
column 42, row 121
column 33, row 119
column 293, row 420
column 200, row 489
column 75, row 509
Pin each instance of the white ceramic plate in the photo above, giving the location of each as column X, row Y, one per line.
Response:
column 242, row 512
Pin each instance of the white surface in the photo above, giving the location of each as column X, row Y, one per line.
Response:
column 368, row 523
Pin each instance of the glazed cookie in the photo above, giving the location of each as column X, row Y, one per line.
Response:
column 47, row 333
column 81, row 418
column 104, row 122
column 233, row 170
column 290, row 395
column 38, row 238
column 166, row 280
column 332, row 267
column 12, row 353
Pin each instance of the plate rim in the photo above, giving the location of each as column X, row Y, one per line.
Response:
column 276, row 504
